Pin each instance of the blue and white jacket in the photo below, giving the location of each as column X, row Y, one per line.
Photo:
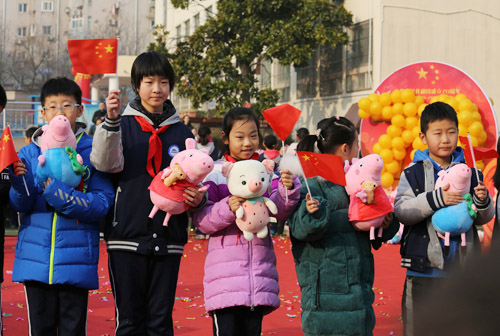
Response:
column 58, row 240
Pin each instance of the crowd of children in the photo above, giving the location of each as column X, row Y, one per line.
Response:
column 57, row 248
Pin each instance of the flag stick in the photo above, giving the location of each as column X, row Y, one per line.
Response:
column 286, row 190
column 473, row 156
column 25, row 185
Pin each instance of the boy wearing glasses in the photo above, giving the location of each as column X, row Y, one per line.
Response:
column 58, row 243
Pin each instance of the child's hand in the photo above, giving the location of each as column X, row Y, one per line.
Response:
column 286, row 179
column 235, row 202
column 312, row 204
column 387, row 220
column 19, row 168
column 113, row 104
column 481, row 191
column 451, row 198
column 193, row 196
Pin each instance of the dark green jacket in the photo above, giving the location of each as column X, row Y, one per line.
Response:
column 334, row 264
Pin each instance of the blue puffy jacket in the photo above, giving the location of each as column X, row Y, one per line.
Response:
column 58, row 241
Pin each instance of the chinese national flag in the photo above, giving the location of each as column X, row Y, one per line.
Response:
column 328, row 166
column 96, row 56
column 480, row 153
column 282, row 119
column 8, row 153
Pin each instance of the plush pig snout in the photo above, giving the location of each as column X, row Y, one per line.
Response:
column 254, row 185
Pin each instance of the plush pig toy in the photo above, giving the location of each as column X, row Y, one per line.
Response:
column 456, row 219
column 250, row 179
column 368, row 201
column 187, row 169
column 59, row 159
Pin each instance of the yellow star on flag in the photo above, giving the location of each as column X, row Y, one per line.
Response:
column 109, row 49
column 6, row 137
column 305, row 157
column 422, row 73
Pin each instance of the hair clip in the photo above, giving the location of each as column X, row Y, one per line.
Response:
column 318, row 134
column 338, row 118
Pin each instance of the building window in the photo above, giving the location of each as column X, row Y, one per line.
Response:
column 21, row 31
column 178, row 32
column 331, row 70
column 22, row 7
column 89, row 3
column 196, row 20
column 282, row 81
column 47, row 6
column 187, row 28
column 76, row 22
column 32, row 30
column 358, row 64
column 89, row 22
column 208, row 13
column 265, row 73
column 307, row 78
column 47, row 30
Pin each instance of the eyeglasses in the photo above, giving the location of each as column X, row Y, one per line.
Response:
column 64, row 108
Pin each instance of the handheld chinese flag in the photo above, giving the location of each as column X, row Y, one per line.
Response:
column 473, row 154
column 95, row 56
column 282, row 119
column 328, row 166
column 8, row 154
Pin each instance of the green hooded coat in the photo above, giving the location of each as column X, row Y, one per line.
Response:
column 334, row 264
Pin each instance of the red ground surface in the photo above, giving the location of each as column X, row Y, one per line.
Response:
column 190, row 318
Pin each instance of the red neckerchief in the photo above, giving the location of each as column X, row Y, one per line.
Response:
column 229, row 158
column 155, row 146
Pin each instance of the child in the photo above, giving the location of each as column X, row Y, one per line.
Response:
column 416, row 201
column 299, row 135
column 205, row 142
column 4, row 201
column 270, row 152
column 144, row 255
column 241, row 280
column 28, row 134
column 334, row 262
column 58, row 242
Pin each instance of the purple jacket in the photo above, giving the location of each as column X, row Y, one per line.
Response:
column 239, row 272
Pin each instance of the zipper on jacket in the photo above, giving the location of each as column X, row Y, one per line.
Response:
column 52, row 248
column 118, row 191
column 250, row 253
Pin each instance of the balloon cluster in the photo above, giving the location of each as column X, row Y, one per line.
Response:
column 402, row 110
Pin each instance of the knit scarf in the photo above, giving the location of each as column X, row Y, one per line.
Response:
column 155, row 146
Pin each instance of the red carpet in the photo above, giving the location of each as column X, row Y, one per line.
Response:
column 190, row 318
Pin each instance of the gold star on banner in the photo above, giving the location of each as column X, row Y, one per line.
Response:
column 6, row 137
column 422, row 73
column 109, row 49
column 306, row 157
column 432, row 66
column 437, row 77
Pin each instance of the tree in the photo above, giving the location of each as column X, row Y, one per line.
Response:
column 219, row 61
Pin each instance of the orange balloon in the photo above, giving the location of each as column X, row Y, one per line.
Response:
column 415, row 131
column 465, row 117
column 474, row 141
column 419, row 100
column 399, row 154
column 480, row 165
column 434, row 99
column 412, row 154
column 364, row 103
column 398, row 120
column 396, row 96
column 387, row 113
column 411, row 122
column 376, row 148
column 476, row 115
column 482, row 137
column 398, row 143
column 387, row 179
column 397, row 108
column 394, row 131
column 363, row 114
column 385, row 141
column 386, row 155
column 376, row 108
column 462, row 130
column 459, row 97
column 392, row 167
column 453, row 103
column 407, row 136
column 410, row 109
column 476, row 128
column 465, row 105
column 373, row 97
column 421, row 109
column 385, row 99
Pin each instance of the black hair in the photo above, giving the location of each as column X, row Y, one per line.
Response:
column 496, row 176
column 270, row 141
column 60, row 86
column 301, row 133
column 28, row 133
column 235, row 114
column 203, row 134
column 151, row 63
column 3, row 97
column 332, row 132
column 435, row 112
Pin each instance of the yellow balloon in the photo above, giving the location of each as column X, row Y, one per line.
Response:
column 459, row 97
column 410, row 109
column 399, row 154
column 387, row 113
column 387, row 179
column 474, row 141
column 465, row 105
column 453, row 103
column 392, row 167
column 364, row 103
column 385, row 141
column 386, row 155
column 443, row 97
column 377, row 117
column 397, row 108
column 482, row 137
column 363, row 114
column 408, row 96
column 476, row 128
column 411, row 122
column 480, row 165
column 412, row 154
column 376, row 108
column 415, row 131
column 376, row 148
column 462, row 130
column 476, row 115
column 407, row 137
column 398, row 120
column 396, row 96
column 385, row 99
column 373, row 97
column 421, row 109
column 434, row 99
column 418, row 144
column 474, row 107
column 394, row 131
column 465, row 118
column 398, row 143
column 419, row 100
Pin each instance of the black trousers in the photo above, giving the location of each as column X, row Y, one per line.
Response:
column 238, row 321
column 144, row 290
column 56, row 309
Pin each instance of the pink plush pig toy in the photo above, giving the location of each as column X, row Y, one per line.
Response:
column 250, row 179
column 455, row 220
column 187, row 169
column 368, row 201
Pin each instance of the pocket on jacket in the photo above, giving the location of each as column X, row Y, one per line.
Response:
column 308, row 277
column 333, row 278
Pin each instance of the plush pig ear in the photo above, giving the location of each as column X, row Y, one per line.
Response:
column 44, row 127
column 190, row 143
column 269, row 164
column 441, row 172
column 346, row 166
column 226, row 168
